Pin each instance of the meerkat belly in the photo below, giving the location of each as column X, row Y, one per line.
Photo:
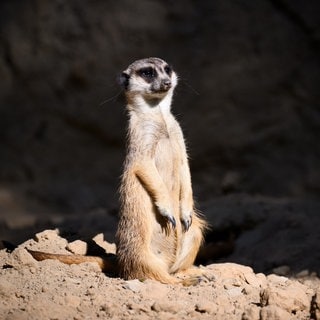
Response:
column 167, row 163
column 164, row 244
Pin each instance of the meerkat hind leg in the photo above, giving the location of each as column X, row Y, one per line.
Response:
column 152, row 268
column 190, row 244
column 183, row 267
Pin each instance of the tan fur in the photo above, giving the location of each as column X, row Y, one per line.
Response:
column 159, row 232
column 104, row 263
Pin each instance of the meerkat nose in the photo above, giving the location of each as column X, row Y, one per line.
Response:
column 166, row 84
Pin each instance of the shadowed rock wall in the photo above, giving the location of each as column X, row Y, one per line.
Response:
column 248, row 97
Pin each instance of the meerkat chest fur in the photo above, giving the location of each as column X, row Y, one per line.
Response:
column 157, row 136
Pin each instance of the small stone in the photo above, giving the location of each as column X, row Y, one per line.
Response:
column 170, row 307
column 291, row 298
column 234, row 292
column 230, row 283
column 252, row 279
column 107, row 246
column 247, row 289
column 78, row 247
column 154, row 289
column 262, row 279
column 274, row 313
column 277, row 279
column 133, row 285
column 251, row 313
column 205, row 307
column 47, row 235
column 20, row 258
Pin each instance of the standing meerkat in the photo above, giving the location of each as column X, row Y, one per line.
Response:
column 160, row 232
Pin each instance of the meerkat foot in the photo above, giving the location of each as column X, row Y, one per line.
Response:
column 191, row 281
column 192, row 276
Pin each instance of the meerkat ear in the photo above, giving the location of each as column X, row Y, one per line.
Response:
column 123, row 80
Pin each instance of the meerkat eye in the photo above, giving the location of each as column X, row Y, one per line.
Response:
column 168, row 70
column 147, row 73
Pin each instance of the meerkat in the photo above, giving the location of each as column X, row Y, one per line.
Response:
column 160, row 231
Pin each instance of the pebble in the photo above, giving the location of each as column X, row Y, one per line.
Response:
column 107, row 246
column 47, row 235
column 165, row 306
column 205, row 307
column 234, row 292
column 275, row 313
column 78, row 247
column 133, row 285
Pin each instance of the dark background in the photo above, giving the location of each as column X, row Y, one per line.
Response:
column 247, row 100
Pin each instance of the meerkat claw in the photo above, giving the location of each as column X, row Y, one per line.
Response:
column 172, row 220
column 186, row 225
column 168, row 216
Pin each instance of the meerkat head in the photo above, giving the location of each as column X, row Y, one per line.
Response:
column 151, row 78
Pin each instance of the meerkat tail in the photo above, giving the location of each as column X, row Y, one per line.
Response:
column 106, row 265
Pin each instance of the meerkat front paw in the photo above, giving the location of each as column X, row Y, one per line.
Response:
column 186, row 221
column 166, row 213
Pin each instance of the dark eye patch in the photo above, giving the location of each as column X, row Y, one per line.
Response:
column 123, row 80
column 168, row 70
column 148, row 73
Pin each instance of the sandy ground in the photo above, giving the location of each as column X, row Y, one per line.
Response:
column 278, row 237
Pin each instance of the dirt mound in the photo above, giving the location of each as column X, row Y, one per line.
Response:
column 51, row 290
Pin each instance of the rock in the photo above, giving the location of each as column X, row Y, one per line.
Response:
column 47, row 235
column 154, row 289
column 316, row 304
column 78, row 247
column 254, row 280
column 291, row 297
column 277, row 279
column 165, row 306
column 205, row 307
column 262, row 279
column 133, row 285
column 251, row 313
column 21, row 258
column 274, row 313
column 107, row 246
column 234, row 292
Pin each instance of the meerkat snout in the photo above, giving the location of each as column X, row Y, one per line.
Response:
column 166, row 84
